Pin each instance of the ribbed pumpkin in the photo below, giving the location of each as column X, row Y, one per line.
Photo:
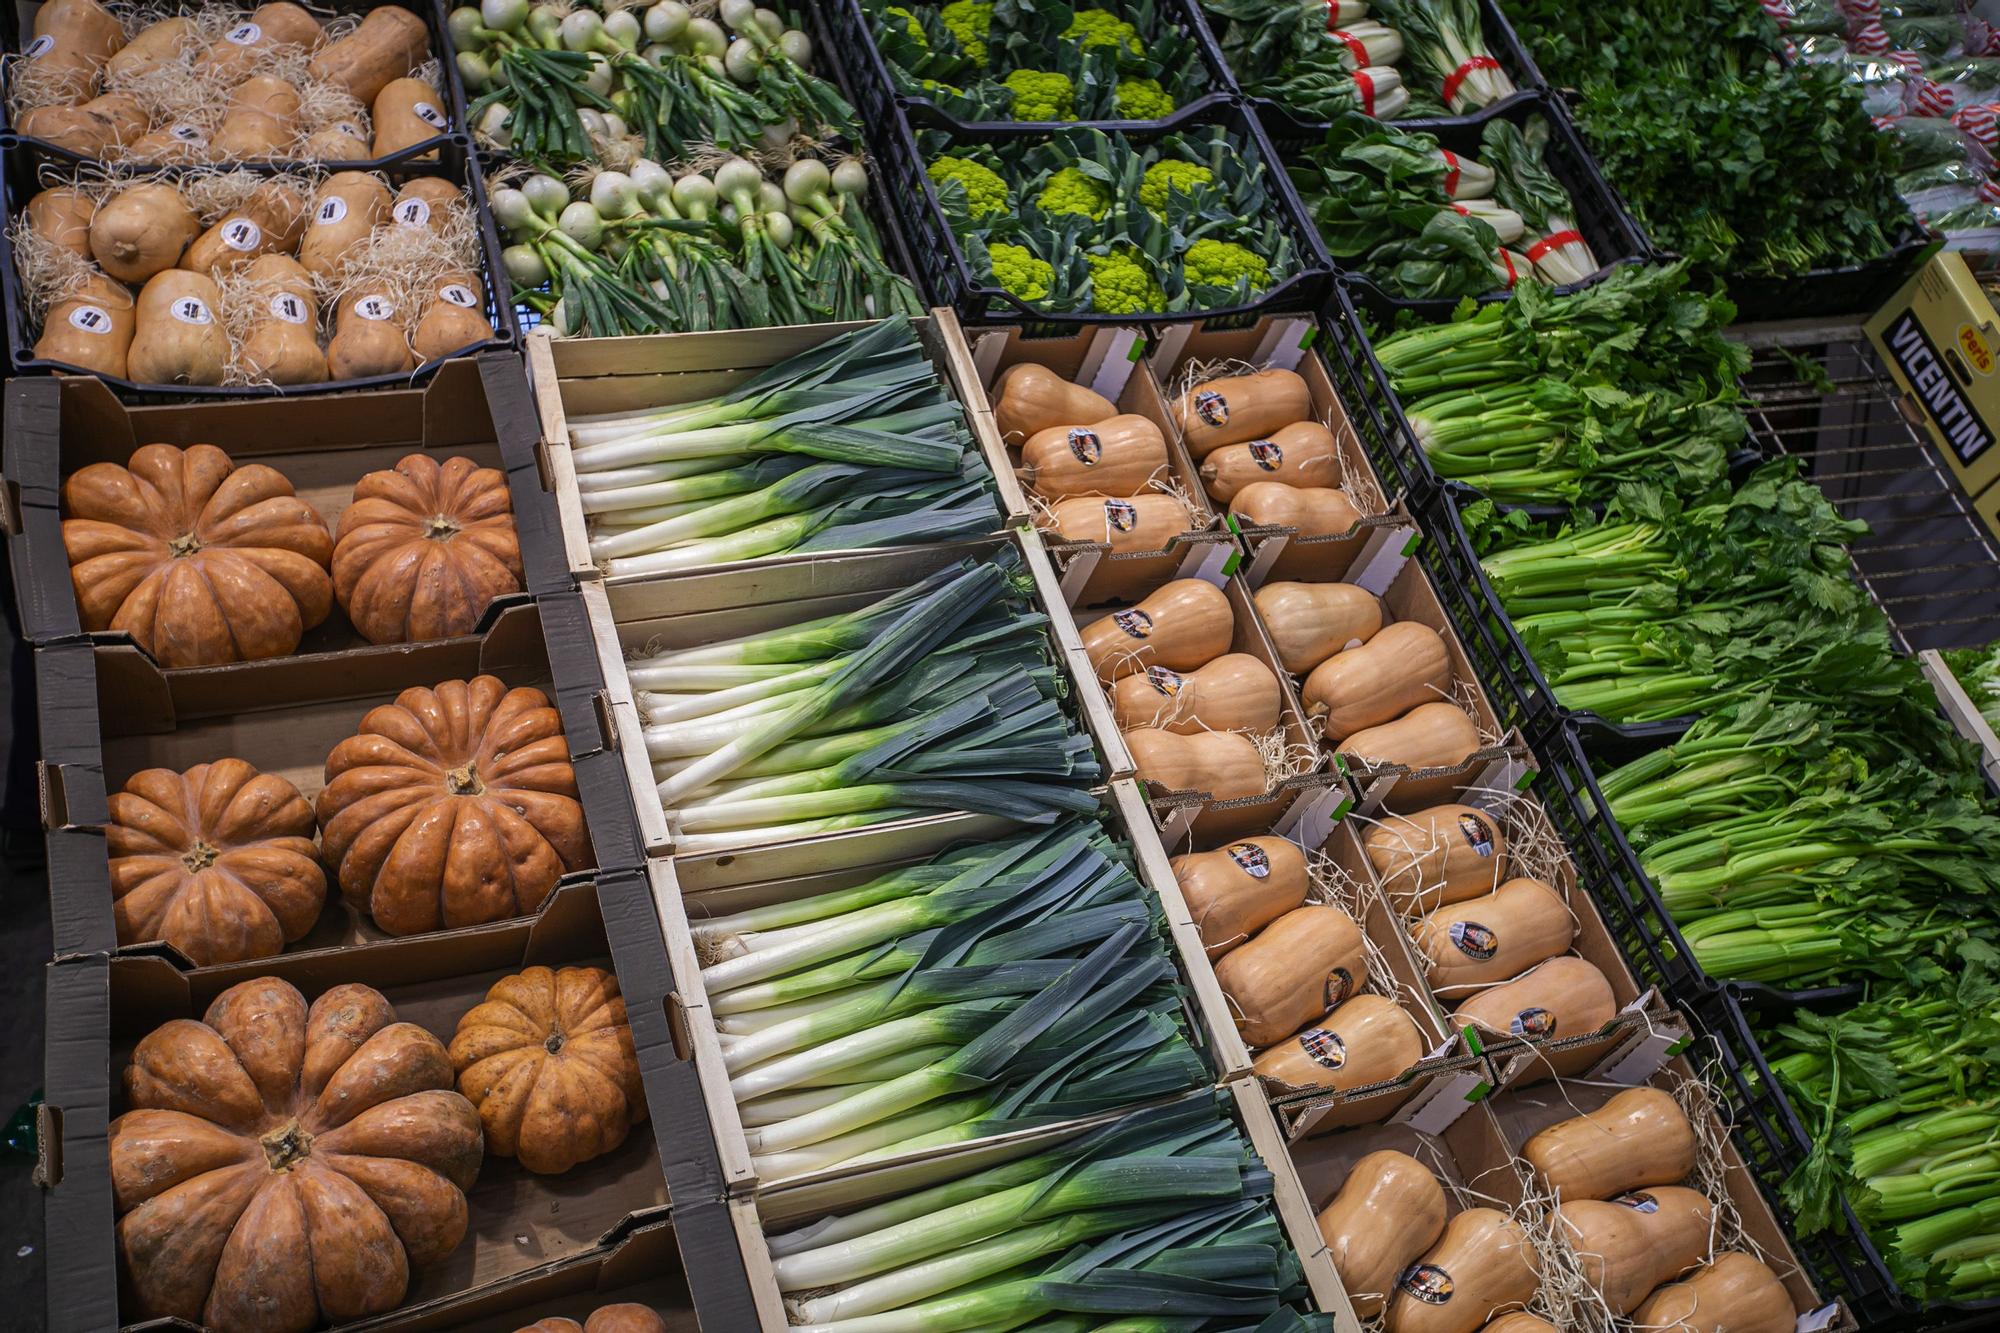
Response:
column 548, row 1060
column 218, row 861
column 452, row 806
column 200, row 561
column 284, row 1167
column 423, row 548
column 625, row 1317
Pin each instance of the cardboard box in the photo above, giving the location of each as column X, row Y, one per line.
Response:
column 696, row 886
column 585, row 376
column 711, row 606
column 522, row 1225
column 322, row 444
column 107, row 712
column 1940, row 340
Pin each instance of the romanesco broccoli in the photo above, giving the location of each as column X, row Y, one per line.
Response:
column 1166, row 176
column 985, row 192
column 1121, row 284
column 1070, row 191
column 969, row 21
column 1097, row 27
column 910, row 24
column 1040, row 96
column 1143, row 99
column 1017, row 268
column 1213, row 263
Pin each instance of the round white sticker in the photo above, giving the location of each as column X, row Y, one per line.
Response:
column 90, row 319
column 39, row 45
column 458, row 294
column 428, row 114
column 188, row 134
column 349, row 128
column 375, row 307
column 289, row 308
column 243, row 34
column 242, row 234
column 413, row 213
column 191, row 310
column 331, row 209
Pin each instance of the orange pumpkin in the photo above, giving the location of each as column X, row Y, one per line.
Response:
column 549, row 1062
column 217, row 861
column 625, row 1317
column 452, row 807
column 423, row 549
column 200, row 561
column 284, row 1167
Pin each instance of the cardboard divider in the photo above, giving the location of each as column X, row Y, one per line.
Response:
column 322, row 445
column 581, row 377
column 107, row 713
column 628, row 618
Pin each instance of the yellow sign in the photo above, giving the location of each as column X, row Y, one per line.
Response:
column 1940, row 339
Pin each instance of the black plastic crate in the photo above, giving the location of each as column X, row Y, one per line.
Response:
column 874, row 82
column 1614, row 238
column 1377, row 416
column 1501, row 41
column 456, row 163
column 947, row 279
column 451, row 88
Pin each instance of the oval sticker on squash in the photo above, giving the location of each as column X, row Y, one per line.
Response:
column 1212, row 407
column 428, row 114
column 1478, row 834
column 1323, row 1048
column 1339, row 985
column 191, row 310
column 1639, row 1201
column 1267, row 455
column 1250, row 859
column 188, row 134
column 1474, row 940
column 38, row 46
column 1121, row 515
column 1167, row 683
column 289, row 308
column 90, row 319
column 242, row 234
column 1086, row 446
column 375, row 307
column 413, row 213
column 1427, row 1283
column 243, row 34
column 1136, row 623
column 331, row 209
column 458, row 294
column 1533, row 1023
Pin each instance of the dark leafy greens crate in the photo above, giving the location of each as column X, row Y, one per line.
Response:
column 872, row 78
column 432, row 12
column 1614, row 238
column 456, row 163
column 1501, row 41
column 950, row 280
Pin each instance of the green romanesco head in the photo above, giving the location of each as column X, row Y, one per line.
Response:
column 1017, row 268
column 969, row 21
column 1162, row 178
column 909, row 22
column 1121, row 284
column 1040, row 96
column 1143, row 99
column 1097, row 27
column 1070, row 191
column 1212, row 263
column 985, row 192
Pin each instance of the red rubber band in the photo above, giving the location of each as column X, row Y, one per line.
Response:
column 1367, row 86
column 1553, row 242
column 1463, row 72
column 1451, row 172
column 1352, row 43
column 1513, row 277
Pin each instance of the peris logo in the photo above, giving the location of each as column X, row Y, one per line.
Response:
column 1474, row 940
column 1250, row 858
column 1121, row 515
column 1428, row 1283
column 1136, row 623
column 1167, row 682
column 1267, row 455
column 1212, row 407
column 1323, row 1048
column 1086, row 446
column 1339, row 985
column 1533, row 1023
column 1639, row 1201
column 1478, row 835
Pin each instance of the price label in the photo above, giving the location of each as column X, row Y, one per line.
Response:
column 289, row 308
column 413, row 213
column 457, row 293
column 331, row 209
column 191, row 310
column 375, row 307
column 90, row 319
column 242, row 234
column 244, row 34
column 429, row 114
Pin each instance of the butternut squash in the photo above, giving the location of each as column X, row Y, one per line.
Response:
column 1737, row 1293
column 73, row 41
column 141, row 230
column 267, row 222
column 177, row 336
column 389, row 44
column 1120, row 455
column 125, row 114
column 280, row 343
column 335, row 141
column 160, row 42
column 249, row 135
column 1182, row 625
column 75, row 128
column 454, row 318
column 1366, row 1041
column 1564, row 997
column 183, row 141
column 1029, row 398
column 1235, row 692
column 1221, row 763
column 368, row 337
column 1628, row 1246
column 1136, row 523
column 271, row 30
column 1310, row 622
column 1235, row 891
column 1301, row 454
column 1520, row 1322
column 1445, row 854
column 348, row 207
column 275, row 97
column 1316, row 511
column 1638, row 1139
column 1236, row 408
column 1401, row 666
column 1436, row 735
column 406, row 113
column 61, row 215
column 1484, row 1264
column 1494, row 937
column 90, row 329
column 1390, row 1209
column 1299, row 968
